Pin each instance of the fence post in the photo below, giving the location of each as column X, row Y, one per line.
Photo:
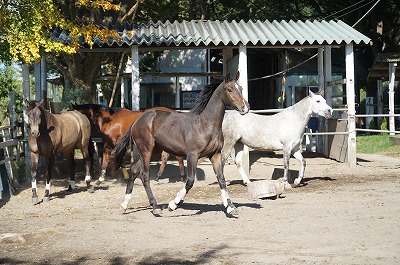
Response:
column 26, row 95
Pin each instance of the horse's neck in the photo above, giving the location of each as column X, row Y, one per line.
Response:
column 303, row 110
column 48, row 120
column 214, row 111
column 103, row 120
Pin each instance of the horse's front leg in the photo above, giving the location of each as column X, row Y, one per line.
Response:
column 107, row 149
column 164, row 160
column 191, row 173
column 181, row 167
column 51, row 161
column 297, row 154
column 286, row 158
column 88, row 178
column 34, row 172
column 216, row 161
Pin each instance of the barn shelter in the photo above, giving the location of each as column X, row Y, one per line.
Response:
column 237, row 40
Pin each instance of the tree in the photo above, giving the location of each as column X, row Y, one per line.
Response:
column 8, row 82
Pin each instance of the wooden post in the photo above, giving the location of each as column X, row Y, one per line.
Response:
column 135, row 78
column 177, row 93
column 242, row 68
column 351, row 111
column 379, row 101
column 392, row 72
column 26, row 95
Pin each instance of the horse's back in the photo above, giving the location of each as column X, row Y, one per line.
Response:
column 74, row 127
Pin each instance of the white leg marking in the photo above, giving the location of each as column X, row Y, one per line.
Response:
column 125, row 203
column 48, row 186
column 88, row 178
column 34, row 184
column 180, row 196
column 225, row 197
column 72, row 184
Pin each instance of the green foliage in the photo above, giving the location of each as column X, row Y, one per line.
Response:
column 384, row 125
column 8, row 82
column 377, row 144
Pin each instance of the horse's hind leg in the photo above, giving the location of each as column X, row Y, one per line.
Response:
column 302, row 161
column 51, row 161
column 239, row 151
column 286, row 158
column 191, row 173
column 72, row 166
column 34, row 159
column 145, row 177
column 133, row 173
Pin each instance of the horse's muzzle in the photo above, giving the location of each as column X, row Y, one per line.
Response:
column 244, row 109
column 35, row 134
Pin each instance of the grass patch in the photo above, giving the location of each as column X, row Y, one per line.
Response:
column 380, row 144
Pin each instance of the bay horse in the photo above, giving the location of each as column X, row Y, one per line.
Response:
column 193, row 135
column 112, row 125
column 281, row 131
column 50, row 134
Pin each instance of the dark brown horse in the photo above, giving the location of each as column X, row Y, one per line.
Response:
column 112, row 125
column 193, row 135
column 50, row 134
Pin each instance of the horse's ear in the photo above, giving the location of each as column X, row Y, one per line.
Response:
column 41, row 102
column 227, row 77
column 311, row 93
column 27, row 102
column 237, row 76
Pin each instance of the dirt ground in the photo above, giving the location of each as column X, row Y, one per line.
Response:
column 337, row 216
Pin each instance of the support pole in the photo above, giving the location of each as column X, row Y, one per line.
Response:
column 392, row 72
column 379, row 101
column 242, row 68
column 327, row 93
column 135, row 78
column 321, row 89
column 351, row 111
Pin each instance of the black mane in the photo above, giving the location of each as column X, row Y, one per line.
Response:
column 96, row 107
column 205, row 95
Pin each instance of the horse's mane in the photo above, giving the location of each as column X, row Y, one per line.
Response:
column 204, row 96
column 97, row 107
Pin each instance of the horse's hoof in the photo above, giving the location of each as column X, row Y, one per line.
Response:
column 46, row 199
column 172, row 206
column 122, row 208
column 35, row 200
column 91, row 189
column 70, row 190
column 97, row 183
column 156, row 212
column 232, row 210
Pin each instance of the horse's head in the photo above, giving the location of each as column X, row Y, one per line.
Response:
column 233, row 97
column 34, row 112
column 319, row 106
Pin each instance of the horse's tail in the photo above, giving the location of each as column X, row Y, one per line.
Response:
column 120, row 149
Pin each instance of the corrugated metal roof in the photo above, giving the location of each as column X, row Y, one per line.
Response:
column 217, row 33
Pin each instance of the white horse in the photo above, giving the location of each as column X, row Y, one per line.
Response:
column 281, row 131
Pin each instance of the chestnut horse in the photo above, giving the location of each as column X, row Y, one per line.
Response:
column 193, row 135
column 112, row 125
column 50, row 134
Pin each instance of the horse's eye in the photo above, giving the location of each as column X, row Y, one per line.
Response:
column 318, row 101
column 230, row 90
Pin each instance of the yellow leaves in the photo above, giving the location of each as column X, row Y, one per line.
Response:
column 104, row 4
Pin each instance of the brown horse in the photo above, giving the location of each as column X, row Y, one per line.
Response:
column 112, row 125
column 193, row 135
column 50, row 134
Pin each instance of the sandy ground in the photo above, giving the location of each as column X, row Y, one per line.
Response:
column 337, row 216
